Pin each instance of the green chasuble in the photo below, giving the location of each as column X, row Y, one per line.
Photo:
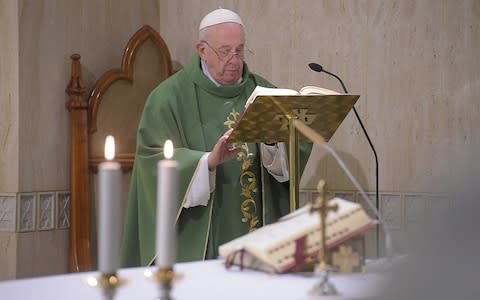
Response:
column 193, row 112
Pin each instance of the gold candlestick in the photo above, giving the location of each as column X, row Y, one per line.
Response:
column 109, row 283
column 324, row 287
column 165, row 277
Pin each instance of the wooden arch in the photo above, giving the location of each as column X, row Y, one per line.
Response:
column 86, row 118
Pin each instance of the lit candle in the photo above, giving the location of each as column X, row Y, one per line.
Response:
column 167, row 191
column 109, row 190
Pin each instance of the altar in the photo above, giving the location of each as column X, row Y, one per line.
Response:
column 200, row 280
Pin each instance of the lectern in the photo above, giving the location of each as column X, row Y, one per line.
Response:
column 269, row 119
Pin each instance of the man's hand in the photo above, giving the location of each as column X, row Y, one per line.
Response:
column 222, row 151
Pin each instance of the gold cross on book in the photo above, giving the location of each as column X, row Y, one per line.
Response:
column 346, row 259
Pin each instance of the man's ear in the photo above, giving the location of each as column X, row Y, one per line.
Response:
column 201, row 48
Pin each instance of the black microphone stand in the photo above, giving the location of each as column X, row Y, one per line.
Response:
column 319, row 68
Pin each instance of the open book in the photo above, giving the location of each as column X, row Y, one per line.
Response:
column 268, row 110
column 283, row 246
column 306, row 90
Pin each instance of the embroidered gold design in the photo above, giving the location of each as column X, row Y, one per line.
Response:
column 232, row 118
column 248, row 179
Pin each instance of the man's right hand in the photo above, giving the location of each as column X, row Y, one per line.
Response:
column 222, row 151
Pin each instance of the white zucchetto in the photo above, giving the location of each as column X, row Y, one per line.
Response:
column 219, row 16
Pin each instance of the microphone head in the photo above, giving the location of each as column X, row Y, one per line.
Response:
column 315, row 67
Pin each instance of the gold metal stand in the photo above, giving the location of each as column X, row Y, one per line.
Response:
column 293, row 163
column 109, row 283
column 272, row 119
column 165, row 278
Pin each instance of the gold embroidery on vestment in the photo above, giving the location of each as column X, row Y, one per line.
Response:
column 248, row 179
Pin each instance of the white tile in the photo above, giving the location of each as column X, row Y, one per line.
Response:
column 8, row 212
column 63, row 210
column 304, row 198
column 415, row 208
column 391, row 209
column 46, row 211
column 26, row 212
column 438, row 207
column 347, row 195
column 372, row 236
column 371, row 243
column 369, row 204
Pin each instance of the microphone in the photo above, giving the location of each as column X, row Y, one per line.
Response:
column 318, row 68
column 315, row 67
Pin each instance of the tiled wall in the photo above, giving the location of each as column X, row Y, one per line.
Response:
column 35, row 211
column 34, row 234
column 401, row 212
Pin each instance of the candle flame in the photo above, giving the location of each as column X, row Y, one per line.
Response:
column 109, row 147
column 168, row 149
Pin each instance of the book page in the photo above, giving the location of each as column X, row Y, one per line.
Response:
column 258, row 242
column 265, row 91
column 315, row 90
column 272, row 234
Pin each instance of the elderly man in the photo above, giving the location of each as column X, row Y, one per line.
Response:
column 224, row 191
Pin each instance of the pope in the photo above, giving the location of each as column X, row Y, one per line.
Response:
column 225, row 191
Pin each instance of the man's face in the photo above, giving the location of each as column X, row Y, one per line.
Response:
column 222, row 50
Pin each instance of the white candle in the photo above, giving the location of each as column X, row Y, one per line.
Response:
column 167, row 191
column 109, row 191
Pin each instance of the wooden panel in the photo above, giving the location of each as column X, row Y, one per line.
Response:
column 117, row 93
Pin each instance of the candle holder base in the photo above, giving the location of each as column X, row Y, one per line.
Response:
column 109, row 283
column 165, row 277
column 324, row 287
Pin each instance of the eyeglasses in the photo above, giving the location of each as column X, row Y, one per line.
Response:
column 224, row 54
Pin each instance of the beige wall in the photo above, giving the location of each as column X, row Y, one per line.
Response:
column 413, row 63
column 415, row 66
column 9, row 97
column 37, row 39
column 50, row 31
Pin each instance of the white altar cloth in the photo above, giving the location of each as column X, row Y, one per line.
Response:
column 201, row 280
